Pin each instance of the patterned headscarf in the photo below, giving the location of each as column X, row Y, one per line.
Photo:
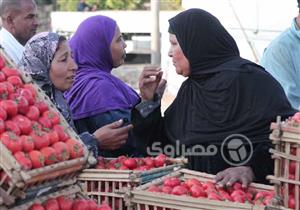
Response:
column 36, row 61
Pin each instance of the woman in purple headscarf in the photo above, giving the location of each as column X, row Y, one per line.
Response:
column 97, row 97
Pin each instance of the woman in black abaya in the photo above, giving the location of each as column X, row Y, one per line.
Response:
column 224, row 96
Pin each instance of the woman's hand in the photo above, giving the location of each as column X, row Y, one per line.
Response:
column 112, row 136
column 149, row 81
column 229, row 176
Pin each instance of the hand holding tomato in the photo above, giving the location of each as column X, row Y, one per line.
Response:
column 229, row 176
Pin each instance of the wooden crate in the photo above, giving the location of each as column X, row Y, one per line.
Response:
column 113, row 186
column 286, row 139
column 71, row 191
column 143, row 199
column 23, row 180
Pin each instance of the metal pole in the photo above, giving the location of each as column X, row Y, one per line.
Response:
column 155, row 34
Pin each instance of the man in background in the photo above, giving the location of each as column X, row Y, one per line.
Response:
column 82, row 6
column 19, row 24
column 282, row 60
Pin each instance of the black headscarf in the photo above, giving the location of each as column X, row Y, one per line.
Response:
column 224, row 93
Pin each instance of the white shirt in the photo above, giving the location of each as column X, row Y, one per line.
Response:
column 11, row 46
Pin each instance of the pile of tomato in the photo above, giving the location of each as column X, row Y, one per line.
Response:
column 197, row 189
column 28, row 128
column 65, row 203
column 129, row 163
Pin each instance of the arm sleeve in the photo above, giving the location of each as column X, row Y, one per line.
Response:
column 280, row 63
column 261, row 162
column 148, row 125
column 90, row 141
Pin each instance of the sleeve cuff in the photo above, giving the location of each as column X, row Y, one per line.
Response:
column 147, row 107
column 90, row 141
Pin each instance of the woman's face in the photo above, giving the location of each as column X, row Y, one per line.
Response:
column 117, row 48
column 180, row 62
column 63, row 68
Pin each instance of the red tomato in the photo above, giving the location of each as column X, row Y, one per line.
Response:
column 166, row 189
column 3, row 91
column 149, row 162
column 296, row 117
column 23, row 160
column 11, row 141
column 33, row 113
column 23, row 105
column 81, row 205
column 2, row 77
column 208, row 185
column 130, row 163
column 51, row 204
column 10, row 88
column 225, row 195
column 12, row 126
column 75, row 148
column 53, row 136
column 197, row 191
column 10, row 106
column 52, row 116
column 36, row 126
column 27, row 143
column 214, row 196
column 172, row 182
column 65, row 203
column 63, row 136
column 2, row 62
column 237, row 186
column 50, row 155
column 62, row 151
column 105, row 206
column 42, row 106
column 40, row 139
column 37, row 159
column 24, row 124
column 154, row 188
column 3, row 114
column 292, row 167
column 37, row 207
column 16, row 81
column 26, row 94
column 31, row 88
column 160, row 160
column 292, row 204
column 192, row 182
column 45, row 122
column 179, row 190
column 92, row 204
column 10, row 71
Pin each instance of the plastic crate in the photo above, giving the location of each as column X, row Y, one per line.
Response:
column 143, row 199
column 113, row 186
column 286, row 139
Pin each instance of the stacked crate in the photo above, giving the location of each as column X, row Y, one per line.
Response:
column 286, row 154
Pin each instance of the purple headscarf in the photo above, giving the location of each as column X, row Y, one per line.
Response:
column 95, row 89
